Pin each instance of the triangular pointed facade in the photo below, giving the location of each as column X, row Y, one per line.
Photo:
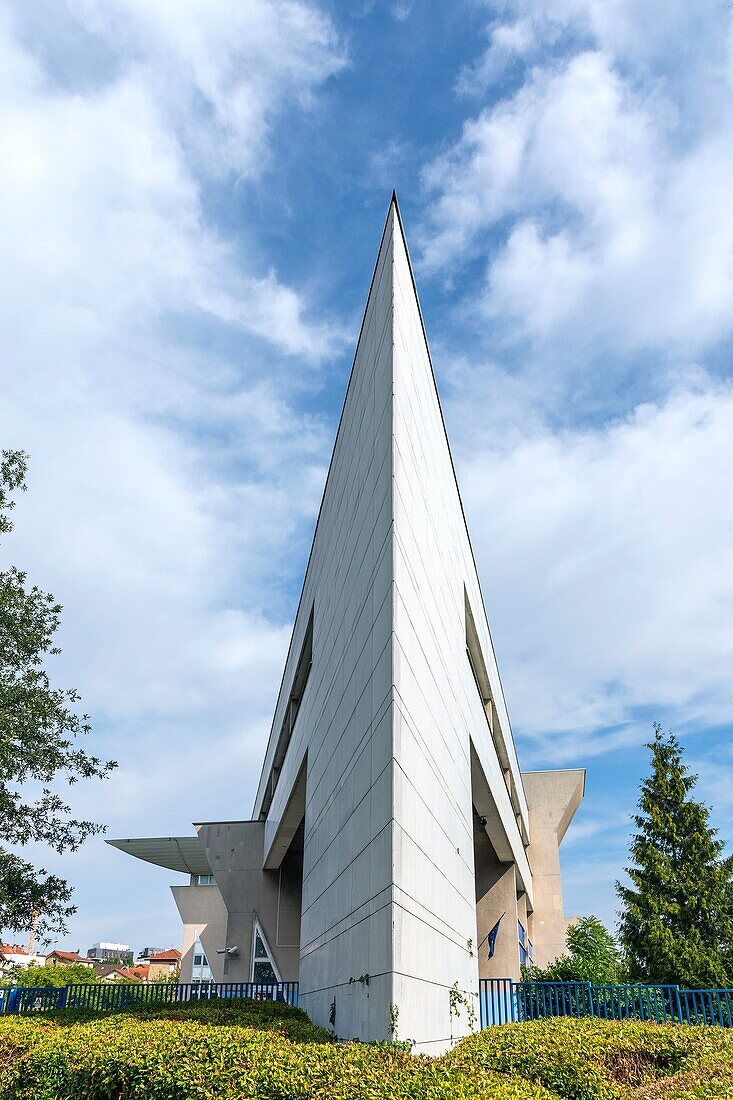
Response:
column 391, row 828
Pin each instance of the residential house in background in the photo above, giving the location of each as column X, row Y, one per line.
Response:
column 109, row 974
column 164, row 964
column 138, row 973
column 68, row 958
column 12, row 956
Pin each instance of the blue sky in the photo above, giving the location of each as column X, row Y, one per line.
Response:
column 192, row 195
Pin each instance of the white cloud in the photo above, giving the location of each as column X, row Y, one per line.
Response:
column 156, row 379
column 606, row 575
column 220, row 74
column 598, row 186
column 509, row 42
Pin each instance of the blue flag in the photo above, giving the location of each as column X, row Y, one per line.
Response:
column 492, row 937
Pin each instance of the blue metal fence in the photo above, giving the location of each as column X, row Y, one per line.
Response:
column 502, row 1000
column 108, row 997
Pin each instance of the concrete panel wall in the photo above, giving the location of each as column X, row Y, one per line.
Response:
column 344, row 725
column 438, row 710
column 391, row 713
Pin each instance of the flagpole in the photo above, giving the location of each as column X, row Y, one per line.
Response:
column 490, row 931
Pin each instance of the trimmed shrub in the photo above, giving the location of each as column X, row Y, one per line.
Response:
column 588, row 1059
column 166, row 1056
column 710, row 1079
column 260, row 1050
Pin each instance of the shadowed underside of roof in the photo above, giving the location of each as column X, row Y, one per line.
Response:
column 177, row 853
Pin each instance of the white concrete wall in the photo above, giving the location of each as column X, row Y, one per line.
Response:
column 391, row 708
column 437, row 707
column 345, row 718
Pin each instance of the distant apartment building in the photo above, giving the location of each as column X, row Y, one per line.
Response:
column 104, row 950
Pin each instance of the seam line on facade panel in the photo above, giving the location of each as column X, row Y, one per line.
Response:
column 405, row 909
column 325, row 657
column 352, row 712
column 315, row 945
column 338, row 835
column 453, row 467
column 342, row 985
column 350, row 864
column 255, row 810
column 381, row 704
column 469, row 835
column 373, row 727
column 434, row 766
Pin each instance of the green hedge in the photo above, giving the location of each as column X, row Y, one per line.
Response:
column 710, row 1079
column 590, row 1059
column 250, row 1050
column 273, row 1055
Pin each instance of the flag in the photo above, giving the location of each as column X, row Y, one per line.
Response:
column 492, row 937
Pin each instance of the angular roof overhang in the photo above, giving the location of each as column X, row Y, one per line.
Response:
column 177, row 853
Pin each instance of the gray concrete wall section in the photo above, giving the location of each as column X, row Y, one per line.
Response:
column 203, row 914
column 234, row 851
column 496, row 894
column 553, row 798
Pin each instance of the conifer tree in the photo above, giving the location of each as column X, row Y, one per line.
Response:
column 676, row 924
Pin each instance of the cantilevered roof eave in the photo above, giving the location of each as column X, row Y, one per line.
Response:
column 177, row 853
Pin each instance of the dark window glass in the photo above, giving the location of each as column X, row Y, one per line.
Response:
column 263, row 971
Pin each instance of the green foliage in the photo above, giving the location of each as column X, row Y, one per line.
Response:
column 263, row 1050
column 39, row 727
column 227, row 1053
column 118, row 960
column 710, row 1079
column 589, row 1059
column 167, row 979
column 676, row 925
column 592, row 956
column 38, row 976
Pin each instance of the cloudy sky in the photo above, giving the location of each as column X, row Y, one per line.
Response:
column 191, row 196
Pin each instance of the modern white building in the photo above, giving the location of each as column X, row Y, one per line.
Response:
column 105, row 950
column 392, row 826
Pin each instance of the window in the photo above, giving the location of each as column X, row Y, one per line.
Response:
column 205, row 880
column 200, row 970
column 300, row 679
column 526, row 950
column 263, row 966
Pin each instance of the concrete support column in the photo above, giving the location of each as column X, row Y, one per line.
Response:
column 552, row 797
column 496, row 893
